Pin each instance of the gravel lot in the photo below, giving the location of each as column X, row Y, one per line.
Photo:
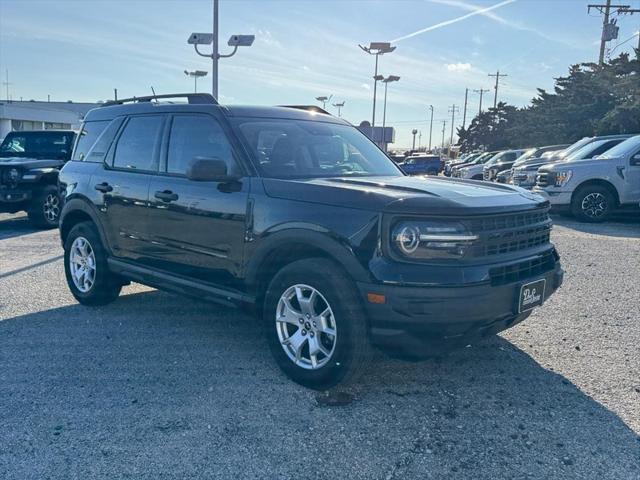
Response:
column 157, row 386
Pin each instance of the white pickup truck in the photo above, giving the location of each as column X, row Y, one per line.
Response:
column 591, row 189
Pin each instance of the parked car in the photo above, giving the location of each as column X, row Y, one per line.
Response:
column 422, row 165
column 473, row 171
column 592, row 188
column 449, row 165
column 457, row 170
column 29, row 166
column 525, row 172
column 300, row 217
column 505, row 168
column 500, row 162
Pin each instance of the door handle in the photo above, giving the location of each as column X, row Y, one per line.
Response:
column 166, row 196
column 104, row 187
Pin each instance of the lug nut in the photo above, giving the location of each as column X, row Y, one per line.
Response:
column 314, row 324
column 301, row 321
column 311, row 334
column 304, row 332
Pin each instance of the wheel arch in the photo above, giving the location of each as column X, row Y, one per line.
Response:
column 77, row 210
column 597, row 182
column 282, row 248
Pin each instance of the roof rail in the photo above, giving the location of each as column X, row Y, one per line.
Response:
column 193, row 98
column 309, row 108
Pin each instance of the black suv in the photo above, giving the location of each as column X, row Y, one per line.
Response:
column 29, row 166
column 300, row 216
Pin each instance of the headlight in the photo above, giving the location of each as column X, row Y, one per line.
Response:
column 424, row 240
column 563, row 177
column 14, row 175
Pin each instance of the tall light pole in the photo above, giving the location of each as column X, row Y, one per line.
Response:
column 377, row 49
column 339, row 107
column 195, row 74
column 413, row 132
column 324, row 99
column 430, row 126
column 386, row 81
column 212, row 39
column 444, row 126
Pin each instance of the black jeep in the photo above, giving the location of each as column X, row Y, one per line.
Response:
column 29, row 166
column 298, row 215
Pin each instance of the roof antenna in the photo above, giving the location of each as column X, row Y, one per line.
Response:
column 154, row 93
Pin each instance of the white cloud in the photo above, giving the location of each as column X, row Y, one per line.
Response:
column 458, row 67
column 366, row 86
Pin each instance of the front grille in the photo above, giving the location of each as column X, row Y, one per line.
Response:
column 510, row 233
column 517, row 272
column 544, row 179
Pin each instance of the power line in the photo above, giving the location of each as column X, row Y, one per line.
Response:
column 609, row 27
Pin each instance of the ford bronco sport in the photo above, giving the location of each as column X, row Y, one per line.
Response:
column 299, row 215
column 29, row 166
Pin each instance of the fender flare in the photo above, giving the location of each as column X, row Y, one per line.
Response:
column 335, row 248
column 80, row 204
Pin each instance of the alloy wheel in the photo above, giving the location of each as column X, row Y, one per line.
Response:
column 82, row 264
column 51, row 207
column 306, row 326
column 594, row 205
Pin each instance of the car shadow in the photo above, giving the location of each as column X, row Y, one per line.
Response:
column 169, row 386
column 621, row 225
column 15, row 226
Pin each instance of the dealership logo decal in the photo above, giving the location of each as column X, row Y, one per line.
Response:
column 530, row 296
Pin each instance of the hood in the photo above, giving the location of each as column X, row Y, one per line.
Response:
column 590, row 163
column 534, row 163
column 407, row 195
column 29, row 163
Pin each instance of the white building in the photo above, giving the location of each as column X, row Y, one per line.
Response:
column 32, row 115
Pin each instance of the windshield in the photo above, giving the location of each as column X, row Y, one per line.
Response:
column 42, row 144
column 591, row 150
column 531, row 153
column 630, row 144
column 574, row 147
column 311, row 149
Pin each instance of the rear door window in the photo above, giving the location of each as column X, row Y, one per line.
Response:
column 138, row 146
column 101, row 146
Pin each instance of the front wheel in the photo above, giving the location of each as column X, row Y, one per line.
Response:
column 315, row 324
column 86, row 269
column 592, row 204
column 45, row 209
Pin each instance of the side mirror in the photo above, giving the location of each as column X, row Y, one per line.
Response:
column 635, row 159
column 203, row 169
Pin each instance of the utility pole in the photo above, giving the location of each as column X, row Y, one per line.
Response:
column 444, row 126
column 430, row 126
column 413, row 132
column 609, row 27
column 215, row 56
column 495, row 96
column 6, row 84
column 464, row 115
column 481, row 92
column 453, row 109
column 115, row 94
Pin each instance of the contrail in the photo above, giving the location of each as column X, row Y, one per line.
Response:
column 453, row 20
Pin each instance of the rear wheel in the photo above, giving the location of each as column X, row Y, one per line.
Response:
column 86, row 269
column 315, row 324
column 592, row 204
column 44, row 211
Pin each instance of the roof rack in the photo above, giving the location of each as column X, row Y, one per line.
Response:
column 192, row 98
column 309, row 108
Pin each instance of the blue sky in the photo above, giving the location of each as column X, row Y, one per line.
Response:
column 81, row 50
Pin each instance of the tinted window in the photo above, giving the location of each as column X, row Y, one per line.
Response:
column 88, row 136
column 137, row 147
column 631, row 144
column 197, row 136
column 101, row 146
column 40, row 144
column 307, row 149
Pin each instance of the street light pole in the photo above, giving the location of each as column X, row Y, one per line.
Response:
column 386, row 81
column 215, row 54
column 377, row 49
column 444, row 126
column 414, row 131
column 430, row 126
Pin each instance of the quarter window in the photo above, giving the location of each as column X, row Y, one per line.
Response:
column 137, row 147
column 197, row 136
column 88, row 136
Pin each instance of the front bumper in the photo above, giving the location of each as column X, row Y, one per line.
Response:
column 434, row 319
column 12, row 198
column 556, row 198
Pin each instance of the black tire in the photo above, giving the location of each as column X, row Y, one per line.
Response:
column 44, row 211
column 106, row 286
column 592, row 203
column 352, row 348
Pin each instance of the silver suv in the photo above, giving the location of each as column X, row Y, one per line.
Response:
column 592, row 188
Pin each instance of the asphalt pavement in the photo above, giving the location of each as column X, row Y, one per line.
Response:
column 156, row 386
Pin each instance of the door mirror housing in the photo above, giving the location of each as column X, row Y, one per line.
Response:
column 635, row 159
column 205, row 169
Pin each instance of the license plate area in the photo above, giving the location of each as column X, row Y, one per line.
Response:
column 531, row 295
